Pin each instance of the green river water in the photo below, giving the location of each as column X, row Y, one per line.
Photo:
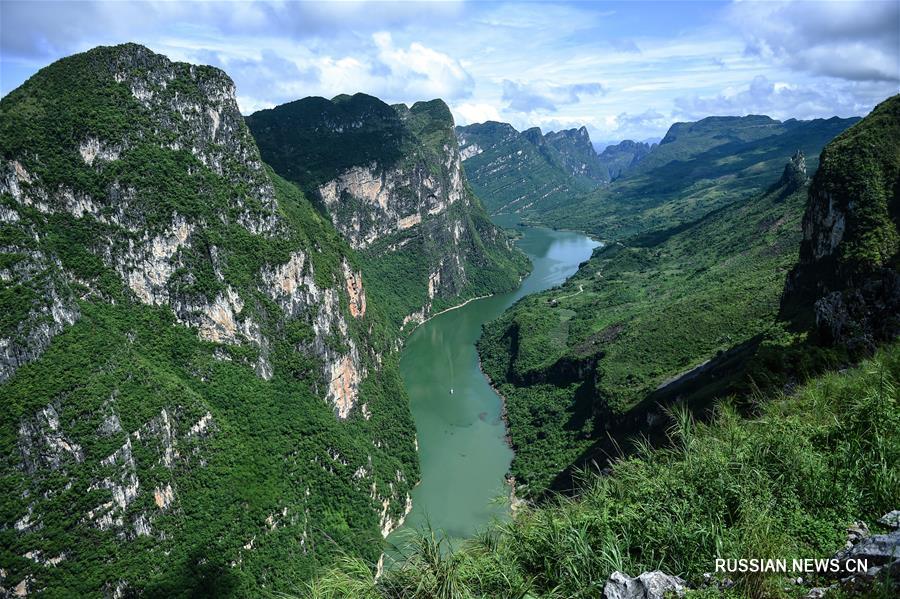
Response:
column 463, row 452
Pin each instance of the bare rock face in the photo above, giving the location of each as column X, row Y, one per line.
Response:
column 847, row 271
column 794, row 175
column 391, row 180
column 649, row 585
column 389, row 200
column 176, row 318
column 891, row 519
column 145, row 252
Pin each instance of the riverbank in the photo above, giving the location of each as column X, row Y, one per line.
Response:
column 450, row 309
column 464, row 446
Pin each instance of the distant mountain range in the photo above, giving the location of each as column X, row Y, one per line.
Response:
column 513, row 171
column 696, row 168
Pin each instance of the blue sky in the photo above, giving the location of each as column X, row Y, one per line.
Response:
column 623, row 69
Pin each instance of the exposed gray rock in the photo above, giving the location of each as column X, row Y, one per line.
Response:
column 44, row 444
column 877, row 549
column 794, row 175
column 857, row 532
column 649, row 585
column 891, row 519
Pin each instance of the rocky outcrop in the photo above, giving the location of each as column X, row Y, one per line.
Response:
column 572, row 148
column 623, row 156
column 793, row 178
column 390, row 178
column 46, row 445
column 512, row 171
column 649, row 585
column 847, row 279
column 293, row 286
column 179, row 324
column 388, row 201
column 880, row 554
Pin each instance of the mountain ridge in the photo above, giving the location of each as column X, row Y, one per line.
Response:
column 423, row 235
column 201, row 394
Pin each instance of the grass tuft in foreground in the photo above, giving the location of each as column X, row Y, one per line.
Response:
column 784, row 484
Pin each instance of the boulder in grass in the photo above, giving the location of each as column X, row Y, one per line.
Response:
column 891, row 519
column 649, row 585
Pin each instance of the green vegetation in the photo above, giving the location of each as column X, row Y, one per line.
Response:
column 454, row 252
column 268, row 445
column 729, row 488
column 143, row 456
column 572, row 361
column 696, row 168
column 511, row 171
column 863, row 164
column 310, row 141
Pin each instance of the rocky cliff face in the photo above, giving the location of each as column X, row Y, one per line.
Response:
column 623, row 156
column 187, row 349
column 391, row 181
column 849, row 256
column 514, row 171
column 577, row 155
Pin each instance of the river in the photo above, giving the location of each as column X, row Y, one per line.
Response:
column 463, row 452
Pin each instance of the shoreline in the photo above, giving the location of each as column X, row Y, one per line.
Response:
column 471, row 299
column 504, row 417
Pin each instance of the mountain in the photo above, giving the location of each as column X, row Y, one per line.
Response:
column 390, row 179
column 201, row 394
column 512, row 171
column 847, row 279
column 696, row 168
column 640, row 315
column 722, row 430
column 572, row 149
column 692, row 312
column 623, row 156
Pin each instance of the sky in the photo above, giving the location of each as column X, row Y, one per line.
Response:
column 625, row 70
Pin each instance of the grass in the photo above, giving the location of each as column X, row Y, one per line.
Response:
column 571, row 364
column 782, row 484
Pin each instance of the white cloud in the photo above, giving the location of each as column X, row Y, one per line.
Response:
column 474, row 112
column 626, row 73
column 858, row 40
column 535, row 96
column 422, row 72
column 783, row 100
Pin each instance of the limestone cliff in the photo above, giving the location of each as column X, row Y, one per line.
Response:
column 391, row 181
column 198, row 393
column 847, row 277
column 514, row 172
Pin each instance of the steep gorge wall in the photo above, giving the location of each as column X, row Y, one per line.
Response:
column 391, row 181
column 196, row 385
column 847, row 278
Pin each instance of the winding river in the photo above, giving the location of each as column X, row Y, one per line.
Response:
column 463, row 452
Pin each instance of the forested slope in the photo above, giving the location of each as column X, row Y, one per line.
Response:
column 197, row 396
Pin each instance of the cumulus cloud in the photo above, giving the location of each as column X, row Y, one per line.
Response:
column 623, row 73
column 783, row 100
column 48, row 28
column 474, row 112
column 857, row 40
column 420, row 71
column 649, row 119
column 542, row 96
